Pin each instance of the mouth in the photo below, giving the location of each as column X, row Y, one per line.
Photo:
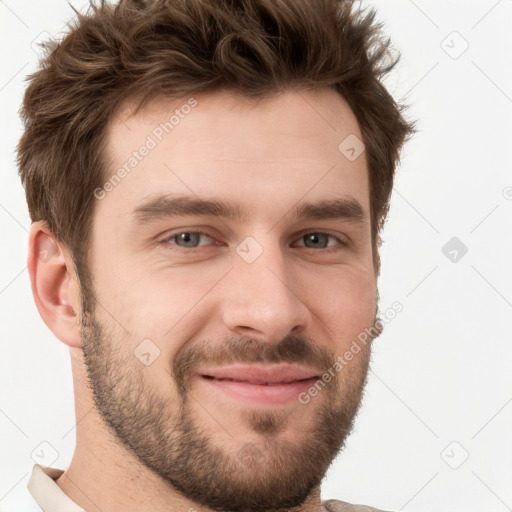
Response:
column 255, row 383
column 259, row 384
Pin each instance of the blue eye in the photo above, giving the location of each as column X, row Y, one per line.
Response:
column 319, row 240
column 190, row 239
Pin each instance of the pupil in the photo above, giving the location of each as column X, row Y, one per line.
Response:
column 189, row 237
column 315, row 237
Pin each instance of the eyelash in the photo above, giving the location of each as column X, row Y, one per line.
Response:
column 166, row 240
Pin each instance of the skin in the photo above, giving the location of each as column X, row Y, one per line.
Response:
column 153, row 437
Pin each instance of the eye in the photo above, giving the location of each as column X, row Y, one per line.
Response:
column 192, row 240
column 187, row 239
column 317, row 240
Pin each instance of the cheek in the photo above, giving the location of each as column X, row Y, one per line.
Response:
column 160, row 302
column 346, row 304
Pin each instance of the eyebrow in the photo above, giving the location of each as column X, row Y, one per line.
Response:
column 166, row 206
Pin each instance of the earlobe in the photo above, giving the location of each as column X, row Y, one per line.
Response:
column 54, row 284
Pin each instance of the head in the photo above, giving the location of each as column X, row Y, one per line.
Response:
column 208, row 181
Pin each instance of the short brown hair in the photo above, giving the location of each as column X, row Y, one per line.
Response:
column 147, row 48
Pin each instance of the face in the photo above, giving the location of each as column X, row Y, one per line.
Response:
column 232, row 265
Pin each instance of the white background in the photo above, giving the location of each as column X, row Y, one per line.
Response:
column 440, row 389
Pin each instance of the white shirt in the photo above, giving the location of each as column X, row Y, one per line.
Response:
column 50, row 497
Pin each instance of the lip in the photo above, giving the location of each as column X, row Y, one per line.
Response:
column 260, row 384
column 262, row 374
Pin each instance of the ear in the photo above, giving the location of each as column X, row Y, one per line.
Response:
column 54, row 284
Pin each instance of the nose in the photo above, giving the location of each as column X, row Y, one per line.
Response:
column 262, row 299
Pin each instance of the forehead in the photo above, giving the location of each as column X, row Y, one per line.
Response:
column 321, row 116
column 224, row 144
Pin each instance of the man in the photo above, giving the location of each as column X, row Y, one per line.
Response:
column 207, row 182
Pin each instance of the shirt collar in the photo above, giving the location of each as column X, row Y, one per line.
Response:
column 49, row 496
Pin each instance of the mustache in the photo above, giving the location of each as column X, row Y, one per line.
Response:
column 292, row 349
